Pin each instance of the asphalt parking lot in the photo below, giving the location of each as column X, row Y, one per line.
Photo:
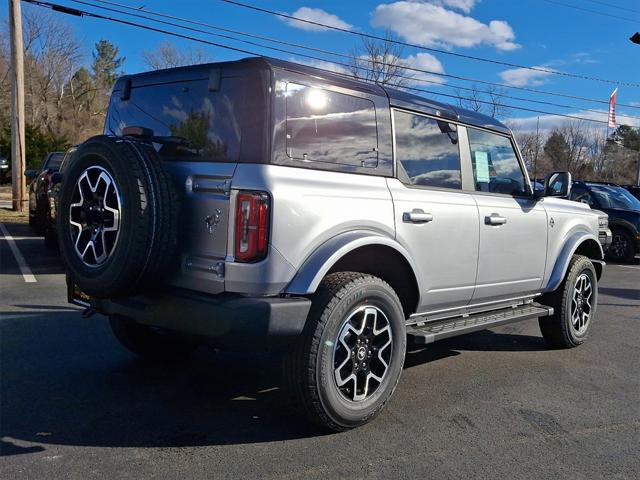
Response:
column 494, row 404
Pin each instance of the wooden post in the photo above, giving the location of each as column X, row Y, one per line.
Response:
column 18, row 181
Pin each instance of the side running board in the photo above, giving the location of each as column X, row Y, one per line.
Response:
column 450, row 327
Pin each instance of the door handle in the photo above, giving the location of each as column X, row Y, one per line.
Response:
column 495, row 219
column 417, row 216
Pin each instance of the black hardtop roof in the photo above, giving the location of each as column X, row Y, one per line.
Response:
column 397, row 98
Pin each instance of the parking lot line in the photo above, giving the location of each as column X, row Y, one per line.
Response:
column 22, row 264
column 628, row 266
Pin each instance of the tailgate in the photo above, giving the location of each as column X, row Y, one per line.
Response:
column 203, row 223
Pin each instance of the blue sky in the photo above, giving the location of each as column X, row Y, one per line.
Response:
column 527, row 32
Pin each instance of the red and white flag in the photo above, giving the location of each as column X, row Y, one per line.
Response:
column 612, row 109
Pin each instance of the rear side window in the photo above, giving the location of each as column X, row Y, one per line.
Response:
column 204, row 124
column 330, row 127
column 496, row 168
column 427, row 151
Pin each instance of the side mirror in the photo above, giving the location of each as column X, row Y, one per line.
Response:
column 56, row 178
column 557, row 184
column 31, row 174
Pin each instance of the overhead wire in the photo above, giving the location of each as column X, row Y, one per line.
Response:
column 82, row 13
column 137, row 12
column 589, row 10
column 430, row 49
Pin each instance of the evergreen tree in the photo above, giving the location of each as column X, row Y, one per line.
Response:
column 557, row 149
column 106, row 65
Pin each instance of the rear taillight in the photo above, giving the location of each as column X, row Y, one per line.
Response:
column 252, row 226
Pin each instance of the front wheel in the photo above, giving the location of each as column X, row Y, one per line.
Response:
column 622, row 247
column 574, row 303
column 348, row 362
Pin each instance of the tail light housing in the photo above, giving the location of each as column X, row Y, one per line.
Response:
column 252, row 226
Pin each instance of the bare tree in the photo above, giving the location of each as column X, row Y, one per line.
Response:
column 167, row 55
column 380, row 61
column 487, row 100
column 52, row 54
column 531, row 144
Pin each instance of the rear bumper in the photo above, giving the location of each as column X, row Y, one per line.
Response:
column 219, row 316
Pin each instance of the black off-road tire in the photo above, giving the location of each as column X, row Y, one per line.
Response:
column 309, row 368
column 628, row 253
column 558, row 330
column 145, row 249
column 147, row 342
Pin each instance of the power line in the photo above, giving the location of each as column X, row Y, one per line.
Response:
column 575, row 7
column 420, row 47
column 83, row 13
column 137, row 13
column 614, row 6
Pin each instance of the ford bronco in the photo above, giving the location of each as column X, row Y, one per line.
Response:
column 263, row 203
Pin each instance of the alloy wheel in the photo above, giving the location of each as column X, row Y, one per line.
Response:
column 581, row 306
column 619, row 245
column 362, row 353
column 95, row 216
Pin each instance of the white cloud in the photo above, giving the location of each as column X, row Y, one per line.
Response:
column 432, row 24
column 322, row 64
column 419, row 61
column 316, row 15
column 425, row 61
column 521, row 77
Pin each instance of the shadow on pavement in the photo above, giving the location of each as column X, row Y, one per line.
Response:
column 65, row 380
column 40, row 259
column 626, row 293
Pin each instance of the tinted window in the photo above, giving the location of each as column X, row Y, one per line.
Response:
column 427, row 151
column 54, row 161
column 581, row 194
column 330, row 127
column 204, row 123
column 496, row 168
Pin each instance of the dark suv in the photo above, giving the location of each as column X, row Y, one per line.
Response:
column 40, row 182
column 633, row 189
column 624, row 215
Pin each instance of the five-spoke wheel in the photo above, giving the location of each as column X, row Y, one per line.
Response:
column 362, row 352
column 581, row 303
column 574, row 305
column 95, row 216
column 346, row 366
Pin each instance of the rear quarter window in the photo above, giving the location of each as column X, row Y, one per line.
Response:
column 205, row 123
column 327, row 127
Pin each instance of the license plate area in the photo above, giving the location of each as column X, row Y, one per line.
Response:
column 76, row 296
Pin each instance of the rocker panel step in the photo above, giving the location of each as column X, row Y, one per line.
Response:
column 451, row 327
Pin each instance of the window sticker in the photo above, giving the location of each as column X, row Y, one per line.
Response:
column 482, row 167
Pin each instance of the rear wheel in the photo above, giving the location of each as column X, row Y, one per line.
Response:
column 148, row 342
column 574, row 303
column 348, row 362
column 622, row 247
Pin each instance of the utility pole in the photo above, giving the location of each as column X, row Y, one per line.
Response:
column 18, row 181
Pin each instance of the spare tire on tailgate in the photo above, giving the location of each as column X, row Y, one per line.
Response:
column 117, row 217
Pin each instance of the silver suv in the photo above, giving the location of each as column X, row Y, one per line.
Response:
column 261, row 203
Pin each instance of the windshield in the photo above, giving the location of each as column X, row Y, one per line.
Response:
column 614, row 197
